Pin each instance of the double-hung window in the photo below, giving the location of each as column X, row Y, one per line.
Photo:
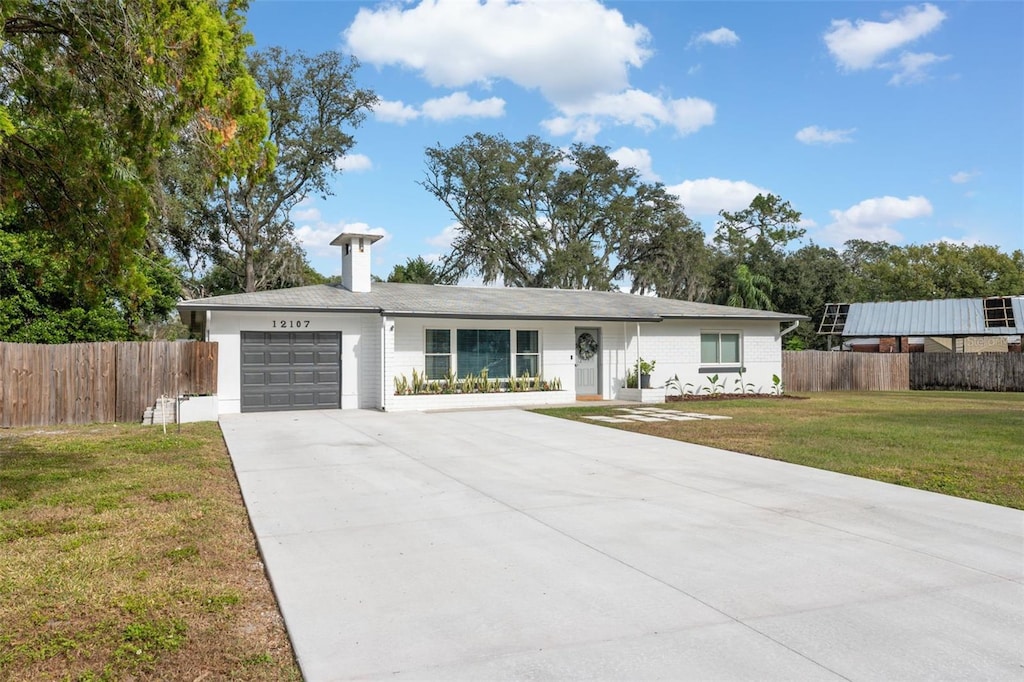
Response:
column 438, row 353
column 527, row 353
column 720, row 348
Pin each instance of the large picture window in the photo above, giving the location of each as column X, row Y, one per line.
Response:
column 720, row 348
column 484, row 349
column 498, row 351
column 438, row 353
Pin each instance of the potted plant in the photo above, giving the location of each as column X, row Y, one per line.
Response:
column 645, row 368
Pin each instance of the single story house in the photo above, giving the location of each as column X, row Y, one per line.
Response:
column 389, row 346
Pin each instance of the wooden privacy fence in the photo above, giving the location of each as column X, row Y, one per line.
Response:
column 818, row 370
column 810, row 370
column 81, row 383
column 967, row 371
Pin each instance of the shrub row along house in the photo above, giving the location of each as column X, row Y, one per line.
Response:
column 392, row 346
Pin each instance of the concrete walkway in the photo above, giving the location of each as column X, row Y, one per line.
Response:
column 508, row 545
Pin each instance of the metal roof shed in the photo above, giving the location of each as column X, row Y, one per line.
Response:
column 995, row 316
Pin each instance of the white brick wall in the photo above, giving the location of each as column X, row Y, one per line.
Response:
column 675, row 346
column 225, row 327
column 369, row 362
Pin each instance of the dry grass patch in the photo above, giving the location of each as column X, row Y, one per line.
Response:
column 128, row 554
column 958, row 443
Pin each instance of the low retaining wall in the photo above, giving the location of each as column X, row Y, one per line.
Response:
column 457, row 401
column 642, row 395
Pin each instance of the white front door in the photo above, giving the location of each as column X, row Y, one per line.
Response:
column 588, row 361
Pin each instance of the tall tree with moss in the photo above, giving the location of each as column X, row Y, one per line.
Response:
column 91, row 94
column 314, row 106
column 533, row 215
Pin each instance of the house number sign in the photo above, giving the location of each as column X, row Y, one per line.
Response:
column 290, row 324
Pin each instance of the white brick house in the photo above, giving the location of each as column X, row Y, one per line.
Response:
column 354, row 346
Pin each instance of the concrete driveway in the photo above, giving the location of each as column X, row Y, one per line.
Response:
column 509, row 545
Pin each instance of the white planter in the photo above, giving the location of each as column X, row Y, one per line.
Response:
column 201, row 408
column 642, row 395
column 457, row 401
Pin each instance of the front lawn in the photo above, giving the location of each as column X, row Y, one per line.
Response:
column 965, row 444
column 127, row 554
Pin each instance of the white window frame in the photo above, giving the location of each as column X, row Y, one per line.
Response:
column 453, row 354
column 450, row 355
column 517, row 353
column 719, row 332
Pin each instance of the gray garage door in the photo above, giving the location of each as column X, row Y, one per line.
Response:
column 291, row 371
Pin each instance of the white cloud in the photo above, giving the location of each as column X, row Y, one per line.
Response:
column 304, row 211
column 564, row 49
column 860, row 45
column 443, row 240
column 969, row 240
column 315, row 234
column 640, row 159
column 912, row 67
column 720, row 36
column 816, row 135
column 631, row 107
column 873, row 219
column 353, row 163
column 708, row 196
column 395, row 111
column 576, row 54
column 459, row 105
column 962, row 177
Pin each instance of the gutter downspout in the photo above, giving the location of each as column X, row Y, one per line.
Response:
column 383, row 363
column 625, row 352
column 789, row 329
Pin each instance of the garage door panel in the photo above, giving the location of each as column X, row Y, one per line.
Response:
column 254, row 378
column 253, row 401
column 304, row 378
column 290, row 370
column 279, row 400
column 279, row 358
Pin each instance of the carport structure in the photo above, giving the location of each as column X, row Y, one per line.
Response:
column 510, row 545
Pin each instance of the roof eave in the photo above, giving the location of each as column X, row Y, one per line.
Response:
column 755, row 318
column 283, row 308
column 491, row 316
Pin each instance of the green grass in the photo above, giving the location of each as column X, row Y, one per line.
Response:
column 127, row 554
column 965, row 444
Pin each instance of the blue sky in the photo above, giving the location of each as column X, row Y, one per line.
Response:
column 876, row 120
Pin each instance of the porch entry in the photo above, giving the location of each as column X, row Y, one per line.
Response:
column 588, row 361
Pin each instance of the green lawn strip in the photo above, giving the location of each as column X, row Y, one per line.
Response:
column 965, row 444
column 128, row 554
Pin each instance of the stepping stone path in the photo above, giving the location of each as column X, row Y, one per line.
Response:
column 653, row 414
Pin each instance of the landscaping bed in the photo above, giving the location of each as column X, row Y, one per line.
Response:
column 732, row 396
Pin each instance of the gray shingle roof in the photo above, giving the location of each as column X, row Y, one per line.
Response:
column 945, row 317
column 423, row 300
